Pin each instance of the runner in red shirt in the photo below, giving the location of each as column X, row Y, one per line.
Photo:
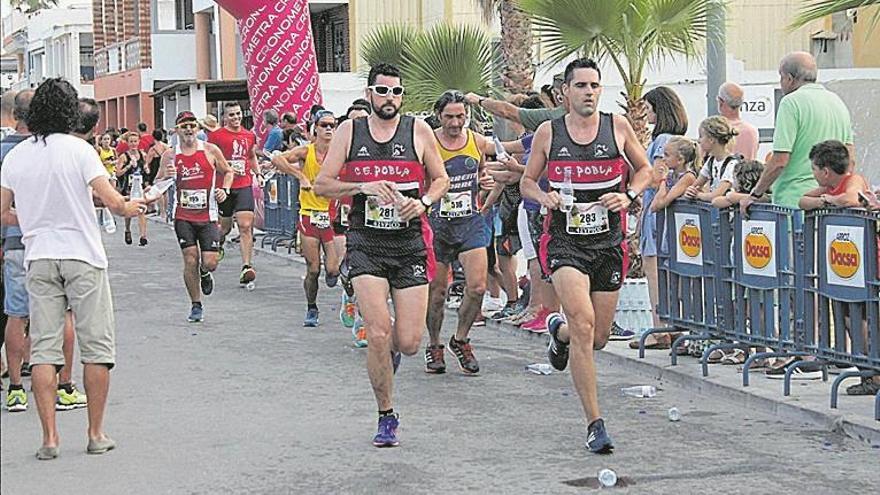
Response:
column 239, row 148
column 198, row 168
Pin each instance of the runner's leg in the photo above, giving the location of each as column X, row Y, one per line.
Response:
column 191, row 273
column 372, row 294
column 410, row 308
column 245, row 221
column 437, row 300
column 311, row 251
column 475, row 274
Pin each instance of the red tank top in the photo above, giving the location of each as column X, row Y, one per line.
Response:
column 196, row 180
column 236, row 148
column 834, row 191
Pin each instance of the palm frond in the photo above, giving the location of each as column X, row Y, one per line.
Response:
column 818, row 9
column 446, row 57
column 387, row 43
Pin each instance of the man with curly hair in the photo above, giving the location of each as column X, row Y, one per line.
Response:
column 51, row 177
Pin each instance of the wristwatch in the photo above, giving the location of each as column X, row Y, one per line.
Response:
column 480, row 101
column 226, row 190
column 755, row 195
column 426, row 202
column 632, row 195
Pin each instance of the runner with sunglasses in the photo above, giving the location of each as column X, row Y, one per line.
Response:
column 196, row 166
column 239, row 148
column 395, row 173
column 314, row 220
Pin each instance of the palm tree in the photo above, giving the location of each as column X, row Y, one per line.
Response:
column 517, row 71
column 30, row 6
column 633, row 34
column 817, row 9
column 444, row 57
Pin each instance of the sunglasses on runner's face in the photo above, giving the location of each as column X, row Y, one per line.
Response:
column 382, row 90
column 188, row 125
column 327, row 125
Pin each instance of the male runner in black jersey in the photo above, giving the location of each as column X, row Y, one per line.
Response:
column 390, row 164
column 584, row 151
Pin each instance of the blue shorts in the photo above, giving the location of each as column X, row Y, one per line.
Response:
column 15, row 301
column 453, row 237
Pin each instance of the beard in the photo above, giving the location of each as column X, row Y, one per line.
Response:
column 383, row 113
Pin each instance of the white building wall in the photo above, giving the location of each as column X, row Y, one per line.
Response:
column 53, row 45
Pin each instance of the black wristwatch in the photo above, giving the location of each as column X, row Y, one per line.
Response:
column 632, row 195
column 426, row 201
column 755, row 195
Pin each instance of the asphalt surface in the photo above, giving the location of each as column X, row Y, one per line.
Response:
column 251, row 402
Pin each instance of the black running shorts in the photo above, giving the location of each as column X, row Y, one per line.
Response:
column 604, row 266
column 204, row 234
column 401, row 272
column 239, row 199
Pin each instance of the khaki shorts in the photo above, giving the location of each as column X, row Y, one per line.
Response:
column 53, row 285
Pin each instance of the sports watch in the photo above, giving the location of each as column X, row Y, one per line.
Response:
column 426, row 201
column 632, row 195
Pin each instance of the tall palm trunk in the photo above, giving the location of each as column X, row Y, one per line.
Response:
column 516, row 48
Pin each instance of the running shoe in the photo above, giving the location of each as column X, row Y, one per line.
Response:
column 479, row 321
column 464, row 351
column 220, row 253
column 359, row 333
column 620, row 333
column 539, row 323
column 504, row 314
column 143, row 242
column 207, row 283
column 331, row 280
column 347, row 311
column 386, row 436
column 395, row 361
column 66, row 401
column 434, row 363
column 248, row 274
column 311, row 319
column 453, row 302
column 492, row 304
column 196, row 314
column 557, row 351
column 127, row 237
column 16, row 400
column 25, row 369
column 598, row 441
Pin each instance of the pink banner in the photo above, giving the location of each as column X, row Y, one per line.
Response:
column 279, row 56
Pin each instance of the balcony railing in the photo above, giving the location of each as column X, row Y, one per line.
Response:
column 118, row 57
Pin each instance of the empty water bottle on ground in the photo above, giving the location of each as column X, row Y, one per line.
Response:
column 107, row 220
column 137, row 186
column 674, row 414
column 567, row 191
column 539, row 368
column 607, row 478
column 645, row 391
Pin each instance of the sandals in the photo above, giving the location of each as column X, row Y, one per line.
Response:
column 715, row 356
column 634, row 344
column 867, row 387
column 735, row 356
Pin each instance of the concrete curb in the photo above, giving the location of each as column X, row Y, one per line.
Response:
column 678, row 376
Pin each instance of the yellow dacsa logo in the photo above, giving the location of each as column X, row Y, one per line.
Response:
column 690, row 240
column 757, row 250
column 844, row 257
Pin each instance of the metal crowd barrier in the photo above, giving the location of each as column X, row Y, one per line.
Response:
column 281, row 211
column 773, row 280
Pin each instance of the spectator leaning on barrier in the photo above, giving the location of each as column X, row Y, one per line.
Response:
column 275, row 136
column 51, row 176
column 730, row 99
column 808, row 114
column 838, row 187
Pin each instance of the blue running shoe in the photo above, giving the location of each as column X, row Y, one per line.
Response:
column 331, row 280
column 598, row 441
column 359, row 333
column 311, row 318
column 347, row 311
column 395, row 361
column 387, row 434
column 196, row 314
column 557, row 351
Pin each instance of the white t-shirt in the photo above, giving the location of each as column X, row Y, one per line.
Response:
column 718, row 170
column 53, row 199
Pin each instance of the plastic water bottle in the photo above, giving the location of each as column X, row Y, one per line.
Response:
column 158, row 189
column 674, row 414
column 107, row 221
column 607, row 478
column 539, row 368
column 641, row 391
column 500, row 152
column 567, row 192
column 137, row 186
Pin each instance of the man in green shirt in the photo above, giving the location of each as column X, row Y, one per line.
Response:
column 530, row 118
column 808, row 114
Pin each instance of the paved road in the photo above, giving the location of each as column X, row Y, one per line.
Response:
column 251, row 402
